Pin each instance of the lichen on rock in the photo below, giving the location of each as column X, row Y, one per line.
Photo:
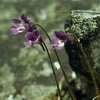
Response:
column 85, row 25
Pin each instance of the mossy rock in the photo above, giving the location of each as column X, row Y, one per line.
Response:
column 85, row 24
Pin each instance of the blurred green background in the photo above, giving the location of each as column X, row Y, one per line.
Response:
column 25, row 72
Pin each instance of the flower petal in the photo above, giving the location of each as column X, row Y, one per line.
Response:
column 57, row 43
column 14, row 31
column 60, row 34
column 16, row 22
column 27, row 43
column 24, row 18
column 17, row 31
column 38, row 41
column 54, row 42
column 28, row 36
column 26, row 27
column 36, row 33
column 33, row 36
column 58, row 47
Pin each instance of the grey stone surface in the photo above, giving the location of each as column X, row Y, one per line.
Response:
column 85, row 25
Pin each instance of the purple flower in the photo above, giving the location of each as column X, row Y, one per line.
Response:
column 33, row 38
column 59, row 40
column 21, row 25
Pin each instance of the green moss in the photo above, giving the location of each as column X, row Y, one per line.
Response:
column 82, row 26
column 85, row 25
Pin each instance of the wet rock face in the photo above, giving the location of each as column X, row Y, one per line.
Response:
column 95, row 54
column 85, row 24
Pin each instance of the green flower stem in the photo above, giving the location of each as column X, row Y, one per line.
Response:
column 42, row 46
column 96, row 97
column 89, row 66
column 53, row 69
column 64, row 73
column 65, row 76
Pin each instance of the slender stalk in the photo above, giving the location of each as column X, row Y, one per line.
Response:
column 42, row 46
column 64, row 73
column 96, row 97
column 65, row 76
column 53, row 69
column 89, row 66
